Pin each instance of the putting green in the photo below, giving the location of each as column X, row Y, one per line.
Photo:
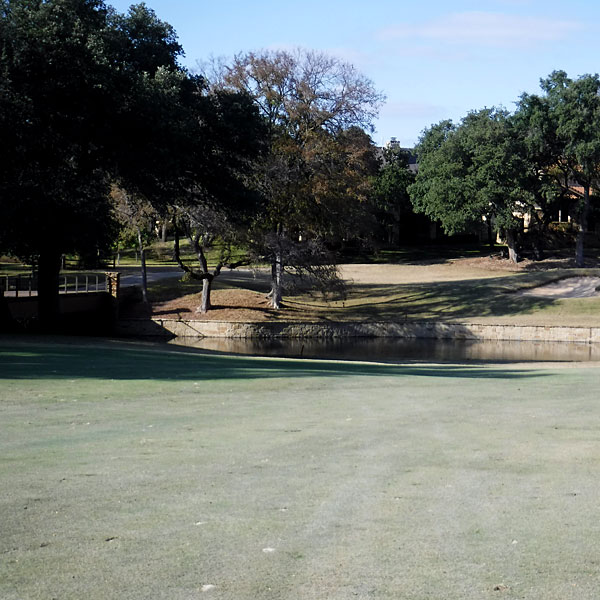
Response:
column 133, row 472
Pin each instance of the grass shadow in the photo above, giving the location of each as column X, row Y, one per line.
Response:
column 452, row 300
column 32, row 358
column 442, row 301
column 421, row 254
column 169, row 312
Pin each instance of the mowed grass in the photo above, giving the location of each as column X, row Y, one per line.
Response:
column 128, row 471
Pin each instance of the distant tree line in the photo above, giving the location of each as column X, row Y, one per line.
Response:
column 103, row 128
column 499, row 166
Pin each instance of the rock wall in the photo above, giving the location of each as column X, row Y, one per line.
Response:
column 299, row 330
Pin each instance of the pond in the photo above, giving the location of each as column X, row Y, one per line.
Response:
column 398, row 350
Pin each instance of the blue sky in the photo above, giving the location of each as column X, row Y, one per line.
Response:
column 434, row 60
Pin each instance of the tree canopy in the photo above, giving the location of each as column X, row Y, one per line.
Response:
column 79, row 86
column 500, row 166
column 312, row 179
column 563, row 130
column 390, row 191
column 90, row 97
column 480, row 169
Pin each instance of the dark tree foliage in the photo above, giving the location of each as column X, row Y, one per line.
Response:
column 563, row 131
column 76, row 98
column 55, row 96
column 390, row 191
column 90, row 97
column 478, row 170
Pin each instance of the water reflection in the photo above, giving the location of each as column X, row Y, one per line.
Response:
column 396, row 350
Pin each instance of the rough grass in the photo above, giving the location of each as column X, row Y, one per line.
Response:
column 483, row 297
column 134, row 473
column 12, row 267
column 161, row 254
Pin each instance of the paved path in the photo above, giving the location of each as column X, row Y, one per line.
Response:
column 250, row 278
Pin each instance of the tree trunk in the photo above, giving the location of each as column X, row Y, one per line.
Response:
column 163, row 232
column 538, row 236
column 511, row 242
column 207, row 278
column 276, row 282
column 7, row 323
column 206, row 289
column 490, row 234
column 582, row 229
column 48, row 300
column 143, row 267
column 207, row 281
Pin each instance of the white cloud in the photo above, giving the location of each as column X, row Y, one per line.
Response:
column 487, row 29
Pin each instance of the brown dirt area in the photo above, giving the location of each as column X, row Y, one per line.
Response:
column 227, row 305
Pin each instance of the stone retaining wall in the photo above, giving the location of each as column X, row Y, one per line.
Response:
column 298, row 330
column 96, row 305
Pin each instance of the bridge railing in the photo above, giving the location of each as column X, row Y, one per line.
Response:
column 27, row 285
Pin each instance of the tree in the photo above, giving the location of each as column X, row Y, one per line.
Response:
column 312, row 176
column 207, row 228
column 474, row 171
column 51, row 187
column 545, row 174
column 76, row 93
column 573, row 114
column 215, row 204
column 390, row 188
column 135, row 215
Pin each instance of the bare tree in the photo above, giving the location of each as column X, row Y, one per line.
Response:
column 311, row 179
column 208, row 230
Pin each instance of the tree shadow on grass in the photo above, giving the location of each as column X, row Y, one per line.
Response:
column 23, row 358
column 444, row 300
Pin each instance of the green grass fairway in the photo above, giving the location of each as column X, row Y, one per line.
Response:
column 131, row 472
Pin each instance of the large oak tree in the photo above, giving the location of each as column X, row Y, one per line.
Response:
column 81, row 90
column 477, row 170
column 90, row 98
column 563, row 129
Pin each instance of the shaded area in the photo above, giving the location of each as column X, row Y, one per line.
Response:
column 23, row 359
column 423, row 254
column 449, row 300
column 442, row 301
column 80, row 313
